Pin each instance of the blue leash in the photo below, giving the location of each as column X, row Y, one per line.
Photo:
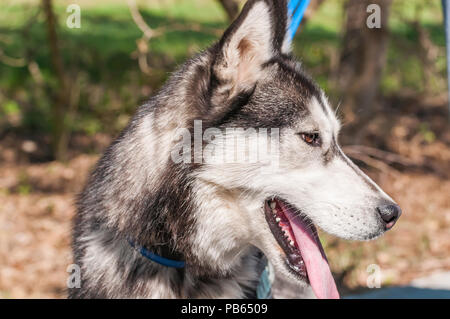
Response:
column 296, row 9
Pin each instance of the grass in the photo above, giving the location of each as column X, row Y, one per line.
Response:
column 99, row 55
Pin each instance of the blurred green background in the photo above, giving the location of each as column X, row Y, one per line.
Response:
column 100, row 57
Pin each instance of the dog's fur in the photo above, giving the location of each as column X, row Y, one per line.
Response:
column 211, row 215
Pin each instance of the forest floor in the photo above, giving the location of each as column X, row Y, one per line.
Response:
column 37, row 204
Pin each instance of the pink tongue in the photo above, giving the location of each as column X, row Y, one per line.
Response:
column 317, row 267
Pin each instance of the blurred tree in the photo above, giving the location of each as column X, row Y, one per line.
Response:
column 61, row 99
column 313, row 6
column 231, row 7
column 362, row 59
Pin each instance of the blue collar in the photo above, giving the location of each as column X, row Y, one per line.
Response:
column 156, row 258
column 263, row 290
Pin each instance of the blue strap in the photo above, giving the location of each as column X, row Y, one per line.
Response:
column 297, row 15
column 156, row 258
column 264, row 288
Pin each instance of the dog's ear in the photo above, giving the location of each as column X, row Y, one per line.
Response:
column 255, row 37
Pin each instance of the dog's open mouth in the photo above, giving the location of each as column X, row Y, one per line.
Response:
column 298, row 238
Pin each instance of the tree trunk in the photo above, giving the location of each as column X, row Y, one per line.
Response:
column 363, row 57
column 61, row 101
column 231, row 7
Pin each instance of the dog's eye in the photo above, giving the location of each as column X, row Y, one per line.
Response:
column 312, row 139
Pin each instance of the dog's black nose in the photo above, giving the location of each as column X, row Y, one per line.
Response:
column 389, row 214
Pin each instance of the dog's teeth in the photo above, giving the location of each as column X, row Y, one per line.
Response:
column 291, row 243
column 273, row 205
column 277, row 219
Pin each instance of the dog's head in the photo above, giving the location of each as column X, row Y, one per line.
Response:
column 256, row 83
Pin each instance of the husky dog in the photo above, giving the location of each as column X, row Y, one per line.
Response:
column 217, row 217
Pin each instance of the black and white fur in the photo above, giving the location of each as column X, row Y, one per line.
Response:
column 211, row 215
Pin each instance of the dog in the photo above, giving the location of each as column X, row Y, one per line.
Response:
column 216, row 218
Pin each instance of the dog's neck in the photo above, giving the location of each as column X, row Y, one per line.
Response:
column 218, row 265
column 135, row 276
